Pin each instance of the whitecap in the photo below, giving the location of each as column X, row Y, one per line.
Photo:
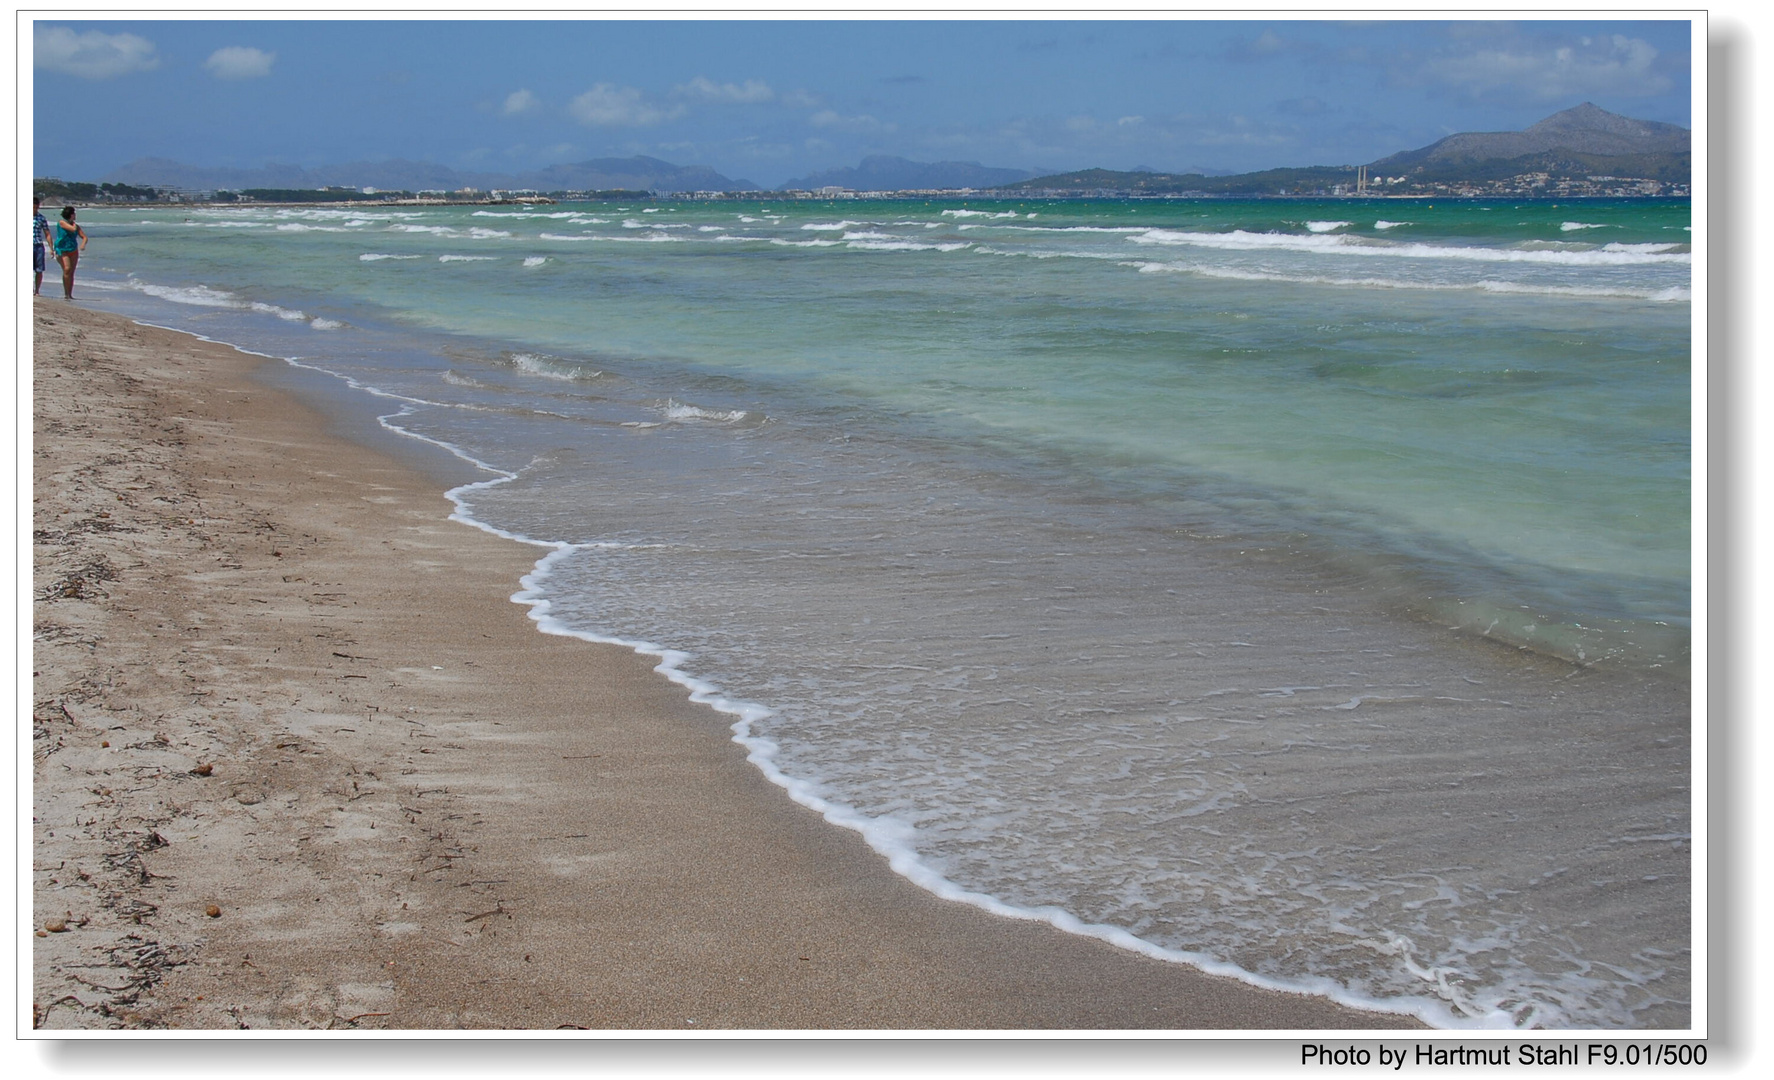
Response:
column 1079, row 228
column 1239, row 240
column 535, row 260
column 1327, row 226
column 675, row 410
column 1669, row 295
column 550, row 367
column 194, row 295
column 466, row 258
column 1643, row 249
column 280, row 312
column 903, row 245
column 378, row 257
column 314, row 213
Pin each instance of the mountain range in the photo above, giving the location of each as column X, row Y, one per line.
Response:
column 1570, row 151
column 1578, row 142
column 598, row 174
column 880, row 172
column 1585, row 130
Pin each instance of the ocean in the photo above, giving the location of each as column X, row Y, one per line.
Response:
column 1298, row 589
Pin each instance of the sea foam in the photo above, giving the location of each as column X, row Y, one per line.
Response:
column 1239, row 239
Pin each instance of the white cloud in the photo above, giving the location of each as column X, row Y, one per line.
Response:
column 92, row 55
column 751, row 92
column 520, row 101
column 1267, row 42
column 827, row 118
column 1616, row 65
column 239, row 62
column 606, row 105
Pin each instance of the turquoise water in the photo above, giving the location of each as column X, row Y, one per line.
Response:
column 1296, row 586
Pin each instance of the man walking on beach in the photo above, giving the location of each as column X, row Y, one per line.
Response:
column 39, row 241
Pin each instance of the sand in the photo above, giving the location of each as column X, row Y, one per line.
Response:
column 299, row 763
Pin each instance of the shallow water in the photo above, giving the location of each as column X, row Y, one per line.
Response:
column 1100, row 559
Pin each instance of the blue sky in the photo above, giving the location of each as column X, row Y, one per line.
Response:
column 773, row 100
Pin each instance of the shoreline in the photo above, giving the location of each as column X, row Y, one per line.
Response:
column 408, row 808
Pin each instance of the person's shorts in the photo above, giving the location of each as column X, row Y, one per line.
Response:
column 38, row 257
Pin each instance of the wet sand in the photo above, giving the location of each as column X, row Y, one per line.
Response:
column 299, row 763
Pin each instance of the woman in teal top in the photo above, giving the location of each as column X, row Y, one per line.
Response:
column 70, row 241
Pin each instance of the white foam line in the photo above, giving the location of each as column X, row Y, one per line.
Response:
column 1673, row 294
column 355, row 384
column 1073, row 228
column 1339, row 244
column 888, row 836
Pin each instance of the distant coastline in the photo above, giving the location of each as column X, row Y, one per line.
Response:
column 554, row 198
column 1582, row 152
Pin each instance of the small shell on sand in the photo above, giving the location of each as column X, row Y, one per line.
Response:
column 203, row 770
column 213, row 911
column 56, row 926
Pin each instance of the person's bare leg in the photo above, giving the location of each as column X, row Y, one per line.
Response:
column 69, row 261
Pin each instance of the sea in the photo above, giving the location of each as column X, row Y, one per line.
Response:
column 1297, row 589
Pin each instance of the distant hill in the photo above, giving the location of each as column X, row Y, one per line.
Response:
column 1585, row 130
column 880, row 172
column 1584, row 150
column 636, row 173
column 1267, row 182
column 394, row 175
column 1579, row 151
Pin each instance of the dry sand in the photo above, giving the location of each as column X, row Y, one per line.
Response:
column 300, row 764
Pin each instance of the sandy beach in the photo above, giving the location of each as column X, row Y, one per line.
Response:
column 299, row 763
